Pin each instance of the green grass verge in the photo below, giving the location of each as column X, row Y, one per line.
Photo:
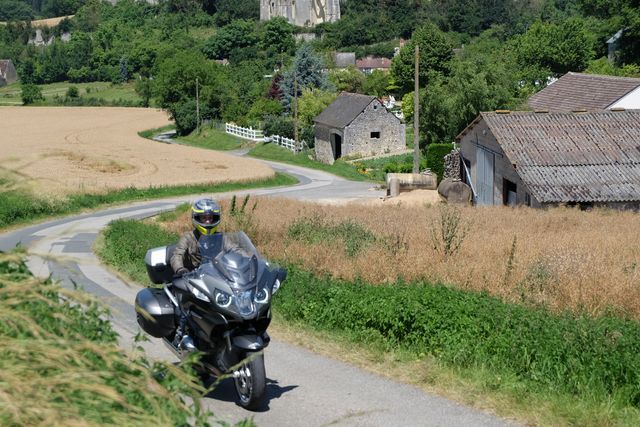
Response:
column 60, row 363
column 150, row 133
column 280, row 154
column 212, row 139
column 18, row 207
column 584, row 369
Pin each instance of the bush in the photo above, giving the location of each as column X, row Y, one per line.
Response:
column 80, row 75
column 31, row 93
column 73, row 92
column 185, row 117
column 127, row 242
column 279, row 125
column 435, row 158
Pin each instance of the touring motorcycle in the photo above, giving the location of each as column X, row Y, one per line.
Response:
column 227, row 303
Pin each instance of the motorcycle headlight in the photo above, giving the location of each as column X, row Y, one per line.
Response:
column 262, row 296
column 223, row 299
column 244, row 302
column 276, row 286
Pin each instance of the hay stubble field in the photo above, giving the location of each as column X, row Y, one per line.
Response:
column 54, row 151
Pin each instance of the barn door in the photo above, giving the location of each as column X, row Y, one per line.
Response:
column 484, row 176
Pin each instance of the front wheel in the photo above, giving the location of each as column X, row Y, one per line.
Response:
column 250, row 380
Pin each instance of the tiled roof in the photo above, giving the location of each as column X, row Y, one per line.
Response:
column 575, row 91
column 573, row 157
column 373, row 63
column 344, row 109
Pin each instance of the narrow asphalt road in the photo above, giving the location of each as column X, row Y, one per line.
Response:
column 303, row 388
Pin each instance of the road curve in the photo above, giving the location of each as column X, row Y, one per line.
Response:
column 303, row 388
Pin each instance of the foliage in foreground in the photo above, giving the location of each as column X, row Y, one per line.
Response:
column 583, row 360
column 16, row 207
column 60, row 363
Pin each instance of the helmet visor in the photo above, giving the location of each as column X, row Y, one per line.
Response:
column 207, row 218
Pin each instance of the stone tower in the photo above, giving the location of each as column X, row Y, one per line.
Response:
column 303, row 13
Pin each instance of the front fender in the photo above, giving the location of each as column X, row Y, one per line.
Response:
column 249, row 342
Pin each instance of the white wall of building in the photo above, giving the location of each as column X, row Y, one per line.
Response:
column 630, row 101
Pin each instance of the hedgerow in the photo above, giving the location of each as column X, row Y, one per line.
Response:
column 572, row 353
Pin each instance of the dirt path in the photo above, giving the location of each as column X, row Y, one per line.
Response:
column 56, row 151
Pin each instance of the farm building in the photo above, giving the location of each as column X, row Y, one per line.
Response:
column 356, row 124
column 588, row 92
column 303, row 13
column 546, row 159
column 8, row 72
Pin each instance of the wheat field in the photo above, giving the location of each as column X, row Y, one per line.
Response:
column 562, row 258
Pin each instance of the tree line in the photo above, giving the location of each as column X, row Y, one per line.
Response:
column 476, row 55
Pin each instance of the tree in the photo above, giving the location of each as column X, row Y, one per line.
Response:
column 376, row 83
column 435, row 55
column 144, row 89
column 277, row 39
column 15, row 10
column 237, row 35
column 313, row 102
column 553, row 49
column 347, row 80
column 30, row 93
column 305, row 72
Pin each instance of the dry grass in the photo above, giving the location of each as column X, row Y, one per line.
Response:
column 562, row 258
column 56, row 151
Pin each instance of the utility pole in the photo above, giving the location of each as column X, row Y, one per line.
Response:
column 197, row 108
column 295, row 110
column 416, row 115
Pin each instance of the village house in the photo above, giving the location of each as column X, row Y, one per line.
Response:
column 8, row 74
column 545, row 159
column 370, row 63
column 357, row 125
column 588, row 92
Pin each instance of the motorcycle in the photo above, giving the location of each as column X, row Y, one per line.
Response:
column 227, row 303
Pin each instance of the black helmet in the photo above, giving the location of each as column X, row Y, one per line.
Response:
column 205, row 216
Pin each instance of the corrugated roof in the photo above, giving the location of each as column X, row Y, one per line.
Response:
column 576, row 91
column 344, row 109
column 573, row 157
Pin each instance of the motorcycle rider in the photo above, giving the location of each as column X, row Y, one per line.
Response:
column 205, row 217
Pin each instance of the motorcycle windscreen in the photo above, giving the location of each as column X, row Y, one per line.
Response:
column 233, row 255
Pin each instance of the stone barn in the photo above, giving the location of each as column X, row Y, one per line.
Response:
column 357, row 125
column 8, row 72
column 545, row 159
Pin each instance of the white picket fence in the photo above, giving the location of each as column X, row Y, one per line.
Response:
column 287, row 143
column 258, row 136
column 245, row 133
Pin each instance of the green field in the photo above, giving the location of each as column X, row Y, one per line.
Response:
column 102, row 92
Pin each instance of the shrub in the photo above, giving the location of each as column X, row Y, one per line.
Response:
column 31, row 93
column 435, row 158
column 278, row 125
column 72, row 92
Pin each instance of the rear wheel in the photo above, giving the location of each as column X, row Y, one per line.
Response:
column 250, row 380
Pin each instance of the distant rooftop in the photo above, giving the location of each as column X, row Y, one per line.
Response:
column 577, row 91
